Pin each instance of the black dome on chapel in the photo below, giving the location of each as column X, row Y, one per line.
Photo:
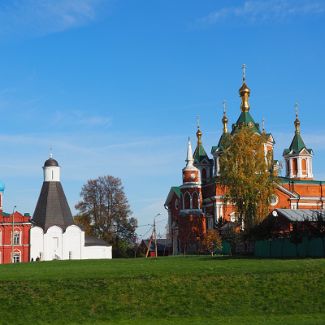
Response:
column 51, row 163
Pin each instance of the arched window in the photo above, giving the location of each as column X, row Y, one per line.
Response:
column 187, row 201
column 195, row 200
column 204, row 175
column 294, row 166
column 288, row 167
column 16, row 257
column 304, row 166
column 16, row 238
column 0, row 239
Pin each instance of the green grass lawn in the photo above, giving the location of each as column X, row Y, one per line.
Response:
column 172, row 290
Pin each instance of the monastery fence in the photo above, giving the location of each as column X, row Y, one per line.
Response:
column 283, row 247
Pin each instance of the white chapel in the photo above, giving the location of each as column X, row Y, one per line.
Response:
column 54, row 236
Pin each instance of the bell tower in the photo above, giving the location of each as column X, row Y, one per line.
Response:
column 298, row 158
column 191, row 188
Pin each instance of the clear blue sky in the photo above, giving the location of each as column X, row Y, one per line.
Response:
column 115, row 87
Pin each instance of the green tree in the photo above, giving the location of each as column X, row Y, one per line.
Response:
column 247, row 175
column 104, row 212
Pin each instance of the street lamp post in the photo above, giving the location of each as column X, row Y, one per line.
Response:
column 153, row 237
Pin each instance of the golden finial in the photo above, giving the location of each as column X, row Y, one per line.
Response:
column 297, row 122
column 244, row 92
column 225, row 118
column 198, row 132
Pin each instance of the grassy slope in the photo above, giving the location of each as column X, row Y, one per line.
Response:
column 188, row 290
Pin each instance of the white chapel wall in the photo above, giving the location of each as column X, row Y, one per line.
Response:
column 97, row 252
column 36, row 243
column 73, row 242
column 56, row 244
column 53, row 244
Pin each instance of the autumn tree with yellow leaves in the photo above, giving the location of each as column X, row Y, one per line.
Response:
column 247, row 175
column 212, row 241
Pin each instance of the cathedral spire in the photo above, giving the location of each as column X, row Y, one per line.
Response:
column 225, row 118
column 189, row 158
column 244, row 92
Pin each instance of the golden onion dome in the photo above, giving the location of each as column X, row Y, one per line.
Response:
column 244, row 89
column 199, row 136
column 225, row 122
column 224, row 119
column 244, row 92
column 297, row 124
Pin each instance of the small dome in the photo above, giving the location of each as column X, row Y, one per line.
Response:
column 2, row 186
column 51, row 163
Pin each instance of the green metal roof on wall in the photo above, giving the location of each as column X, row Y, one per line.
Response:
column 287, row 180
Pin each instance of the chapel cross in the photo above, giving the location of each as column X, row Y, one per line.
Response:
column 244, row 66
column 263, row 124
column 224, row 106
column 296, row 108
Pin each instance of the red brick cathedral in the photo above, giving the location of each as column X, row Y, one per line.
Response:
column 197, row 204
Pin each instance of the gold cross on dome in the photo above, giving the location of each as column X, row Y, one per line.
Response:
column 198, row 121
column 263, row 124
column 224, row 103
column 244, row 66
column 296, row 108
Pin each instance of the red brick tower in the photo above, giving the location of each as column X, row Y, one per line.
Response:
column 191, row 222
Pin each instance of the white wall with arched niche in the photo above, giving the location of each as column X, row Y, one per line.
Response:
column 36, row 243
column 53, row 244
column 73, row 242
column 58, row 245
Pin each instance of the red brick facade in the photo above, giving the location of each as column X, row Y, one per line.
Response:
column 14, row 237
